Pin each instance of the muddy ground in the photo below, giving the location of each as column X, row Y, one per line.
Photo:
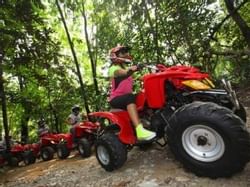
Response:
column 151, row 168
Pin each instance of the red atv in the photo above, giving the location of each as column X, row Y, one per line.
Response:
column 17, row 153
column 48, row 144
column 204, row 126
column 85, row 135
column 31, row 153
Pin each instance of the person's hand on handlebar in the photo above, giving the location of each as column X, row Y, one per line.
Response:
column 140, row 66
column 133, row 68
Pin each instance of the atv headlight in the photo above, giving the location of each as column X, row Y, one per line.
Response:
column 196, row 85
column 53, row 142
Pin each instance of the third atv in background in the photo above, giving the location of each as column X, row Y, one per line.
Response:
column 203, row 125
column 18, row 152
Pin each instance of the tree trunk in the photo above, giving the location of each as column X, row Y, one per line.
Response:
column 54, row 116
column 75, row 59
column 24, row 127
column 91, row 57
column 244, row 28
column 218, row 26
column 26, row 114
column 153, row 31
column 3, row 102
column 56, row 119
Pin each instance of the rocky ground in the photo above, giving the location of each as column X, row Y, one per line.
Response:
column 151, row 168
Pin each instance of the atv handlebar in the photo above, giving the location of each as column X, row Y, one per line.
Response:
column 157, row 67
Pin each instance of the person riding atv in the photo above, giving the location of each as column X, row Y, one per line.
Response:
column 74, row 119
column 203, row 124
column 42, row 128
column 121, row 95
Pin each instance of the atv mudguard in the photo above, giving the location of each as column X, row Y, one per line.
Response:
column 67, row 138
column 122, row 120
column 85, row 127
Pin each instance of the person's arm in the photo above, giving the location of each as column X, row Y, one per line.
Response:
column 83, row 117
column 70, row 120
column 125, row 72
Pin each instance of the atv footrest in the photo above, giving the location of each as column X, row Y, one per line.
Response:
column 141, row 142
column 161, row 144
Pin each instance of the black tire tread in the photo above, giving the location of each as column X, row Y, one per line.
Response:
column 87, row 147
column 227, row 123
column 50, row 151
column 117, row 151
column 29, row 158
column 65, row 151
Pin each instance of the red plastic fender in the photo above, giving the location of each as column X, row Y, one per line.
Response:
column 66, row 137
column 35, row 148
column 86, row 127
column 17, row 148
column 120, row 118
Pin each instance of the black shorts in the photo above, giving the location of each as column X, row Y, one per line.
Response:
column 123, row 101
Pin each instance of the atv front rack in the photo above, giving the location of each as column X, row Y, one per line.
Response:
column 232, row 95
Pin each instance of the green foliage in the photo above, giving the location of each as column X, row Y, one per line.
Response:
column 39, row 72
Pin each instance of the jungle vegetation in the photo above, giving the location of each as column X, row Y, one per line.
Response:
column 53, row 53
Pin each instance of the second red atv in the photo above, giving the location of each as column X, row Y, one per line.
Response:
column 85, row 135
column 48, row 144
column 204, row 126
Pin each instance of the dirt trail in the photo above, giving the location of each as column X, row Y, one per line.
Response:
column 151, row 168
column 154, row 167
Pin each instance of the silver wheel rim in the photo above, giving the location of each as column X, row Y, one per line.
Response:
column 26, row 161
column 45, row 155
column 203, row 143
column 60, row 152
column 81, row 149
column 103, row 155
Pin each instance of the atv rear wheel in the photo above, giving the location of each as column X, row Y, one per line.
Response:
column 47, row 153
column 84, row 147
column 111, row 153
column 13, row 161
column 62, row 151
column 209, row 140
column 29, row 158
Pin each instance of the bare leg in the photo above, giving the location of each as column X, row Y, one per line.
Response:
column 141, row 133
column 131, row 108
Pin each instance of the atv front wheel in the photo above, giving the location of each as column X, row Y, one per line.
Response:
column 29, row 158
column 62, row 151
column 241, row 113
column 84, row 147
column 209, row 140
column 110, row 152
column 47, row 153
